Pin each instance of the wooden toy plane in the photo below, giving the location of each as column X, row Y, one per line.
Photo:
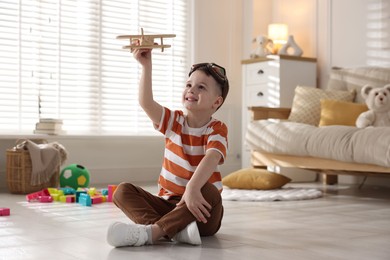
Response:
column 143, row 41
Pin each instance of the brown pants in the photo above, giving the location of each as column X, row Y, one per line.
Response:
column 145, row 208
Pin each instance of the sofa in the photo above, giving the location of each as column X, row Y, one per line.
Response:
column 318, row 132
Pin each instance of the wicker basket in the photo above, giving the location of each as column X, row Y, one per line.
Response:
column 19, row 169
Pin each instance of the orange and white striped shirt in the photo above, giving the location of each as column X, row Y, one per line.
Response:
column 185, row 147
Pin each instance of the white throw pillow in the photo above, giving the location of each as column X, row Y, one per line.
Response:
column 306, row 106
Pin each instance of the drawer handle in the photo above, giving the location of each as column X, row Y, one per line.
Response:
column 260, row 71
column 260, row 94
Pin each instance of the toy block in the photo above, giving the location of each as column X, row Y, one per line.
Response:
column 45, row 199
column 92, row 191
column 104, row 198
column 60, row 193
column 85, row 199
column 70, row 198
column 62, row 198
column 68, row 191
column 111, row 190
column 52, row 191
column 32, row 196
column 56, row 197
column 35, row 196
column 78, row 192
column 97, row 199
column 5, row 211
column 104, row 191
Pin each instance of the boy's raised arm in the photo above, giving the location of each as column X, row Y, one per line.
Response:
column 145, row 96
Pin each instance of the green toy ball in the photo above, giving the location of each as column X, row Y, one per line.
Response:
column 74, row 176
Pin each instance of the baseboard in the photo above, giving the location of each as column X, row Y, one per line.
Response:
column 104, row 176
column 117, row 175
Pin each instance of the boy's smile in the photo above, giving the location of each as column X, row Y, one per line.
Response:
column 201, row 92
column 191, row 99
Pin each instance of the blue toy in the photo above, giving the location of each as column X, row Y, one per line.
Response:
column 85, row 199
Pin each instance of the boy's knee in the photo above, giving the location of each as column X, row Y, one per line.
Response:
column 122, row 190
column 211, row 193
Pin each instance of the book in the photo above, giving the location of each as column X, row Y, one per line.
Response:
column 48, row 126
column 50, row 120
column 50, row 132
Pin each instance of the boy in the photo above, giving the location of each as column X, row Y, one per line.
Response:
column 189, row 203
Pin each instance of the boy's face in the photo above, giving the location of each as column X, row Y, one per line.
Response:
column 202, row 92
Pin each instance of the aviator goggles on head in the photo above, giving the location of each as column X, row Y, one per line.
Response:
column 218, row 72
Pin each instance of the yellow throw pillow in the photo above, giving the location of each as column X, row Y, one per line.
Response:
column 334, row 112
column 258, row 179
column 306, row 107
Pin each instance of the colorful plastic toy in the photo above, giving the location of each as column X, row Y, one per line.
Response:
column 78, row 192
column 70, row 198
column 83, row 196
column 35, row 196
column 85, row 200
column 111, row 190
column 45, row 199
column 104, row 192
column 74, row 176
column 97, row 199
column 5, row 211
column 68, row 191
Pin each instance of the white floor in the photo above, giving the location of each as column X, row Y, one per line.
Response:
column 346, row 223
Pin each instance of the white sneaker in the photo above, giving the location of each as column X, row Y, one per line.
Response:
column 121, row 234
column 189, row 235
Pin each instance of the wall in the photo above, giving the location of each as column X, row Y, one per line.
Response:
column 368, row 30
column 331, row 32
column 360, row 39
column 363, row 39
column 287, row 11
column 218, row 38
column 114, row 159
column 223, row 30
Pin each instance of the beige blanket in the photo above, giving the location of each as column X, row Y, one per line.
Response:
column 45, row 160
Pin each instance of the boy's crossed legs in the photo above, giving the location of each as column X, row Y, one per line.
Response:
column 156, row 217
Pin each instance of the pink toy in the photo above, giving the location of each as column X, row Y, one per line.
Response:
column 5, row 212
column 45, row 199
column 70, row 198
column 35, row 196
column 96, row 199
column 111, row 190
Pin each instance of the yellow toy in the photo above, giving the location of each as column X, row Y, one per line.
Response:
column 143, row 41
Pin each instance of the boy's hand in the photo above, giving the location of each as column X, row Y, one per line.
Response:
column 196, row 203
column 143, row 56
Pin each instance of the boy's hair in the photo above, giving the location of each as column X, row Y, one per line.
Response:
column 217, row 72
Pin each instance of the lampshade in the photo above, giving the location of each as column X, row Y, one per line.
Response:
column 278, row 32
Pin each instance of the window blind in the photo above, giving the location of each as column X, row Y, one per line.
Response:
column 61, row 59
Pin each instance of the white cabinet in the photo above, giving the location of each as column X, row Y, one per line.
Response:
column 271, row 82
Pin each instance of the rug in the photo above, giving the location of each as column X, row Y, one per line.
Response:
column 284, row 194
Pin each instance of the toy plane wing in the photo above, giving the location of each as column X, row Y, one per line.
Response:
column 138, row 36
column 145, row 41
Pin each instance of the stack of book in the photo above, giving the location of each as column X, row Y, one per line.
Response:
column 49, row 126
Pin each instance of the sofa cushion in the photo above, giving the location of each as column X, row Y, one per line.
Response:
column 368, row 145
column 349, row 79
column 334, row 112
column 251, row 178
column 306, row 107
